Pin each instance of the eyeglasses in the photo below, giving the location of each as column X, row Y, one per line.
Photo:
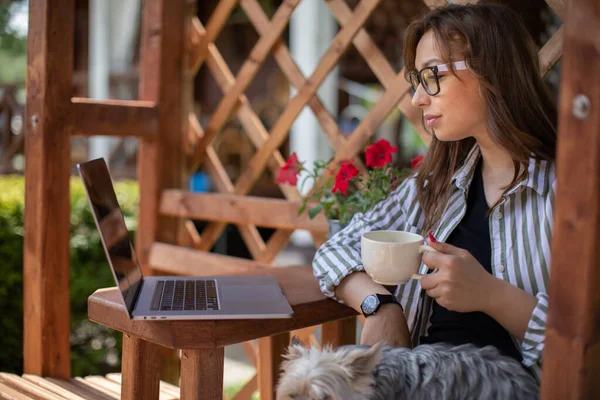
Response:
column 429, row 77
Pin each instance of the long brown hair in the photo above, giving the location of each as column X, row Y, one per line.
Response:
column 520, row 112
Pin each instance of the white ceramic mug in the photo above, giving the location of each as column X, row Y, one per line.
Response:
column 392, row 257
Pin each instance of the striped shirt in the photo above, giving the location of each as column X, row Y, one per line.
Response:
column 520, row 233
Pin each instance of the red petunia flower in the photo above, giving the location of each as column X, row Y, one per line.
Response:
column 414, row 163
column 379, row 154
column 289, row 172
column 347, row 171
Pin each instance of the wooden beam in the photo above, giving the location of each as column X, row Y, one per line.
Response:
column 202, row 374
column 280, row 130
column 551, row 52
column 247, row 72
column 47, row 171
column 163, row 81
column 114, row 118
column 202, row 39
column 178, row 260
column 572, row 344
column 230, row 208
column 270, row 357
column 558, row 6
column 339, row 333
column 141, row 367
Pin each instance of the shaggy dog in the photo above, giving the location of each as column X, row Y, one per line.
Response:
column 428, row 372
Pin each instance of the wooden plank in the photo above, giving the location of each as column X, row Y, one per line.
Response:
column 8, row 393
column 178, row 260
column 250, row 348
column 572, row 341
column 551, row 52
column 202, row 374
column 372, row 55
column 210, row 234
column 247, row 117
column 47, row 172
column 52, row 387
column 80, row 389
column 248, row 390
column 28, row 388
column 558, row 6
column 114, row 387
column 215, row 25
column 292, row 72
column 163, row 80
column 78, row 381
column 270, row 351
column 140, row 369
column 434, row 3
column 276, row 243
column 114, row 118
column 247, row 72
column 102, row 384
column 262, row 211
column 167, row 391
column 296, row 104
column 339, row 333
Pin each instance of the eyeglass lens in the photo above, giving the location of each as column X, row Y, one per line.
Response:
column 428, row 78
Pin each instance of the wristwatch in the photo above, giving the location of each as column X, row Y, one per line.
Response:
column 372, row 302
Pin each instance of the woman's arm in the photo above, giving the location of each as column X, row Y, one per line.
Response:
column 462, row 284
column 510, row 306
column 340, row 255
column 388, row 324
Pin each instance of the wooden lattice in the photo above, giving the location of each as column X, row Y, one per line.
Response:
column 232, row 203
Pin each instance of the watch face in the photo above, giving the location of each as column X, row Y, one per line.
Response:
column 370, row 304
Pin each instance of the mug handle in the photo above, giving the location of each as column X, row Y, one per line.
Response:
column 423, row 249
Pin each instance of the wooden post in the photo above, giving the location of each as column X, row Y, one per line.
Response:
column 572, row 352
column 270, row 351
column 202, row 374
column 339, row 333
column 162, row 161
column 140, row 369
column 47, row 172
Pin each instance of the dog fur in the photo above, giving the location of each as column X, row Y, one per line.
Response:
column 428, row 372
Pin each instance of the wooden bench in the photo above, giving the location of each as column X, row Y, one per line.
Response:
column 14, row 387
column 202, row 342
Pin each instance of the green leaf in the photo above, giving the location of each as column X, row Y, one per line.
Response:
column 314, row 211
column 302, row 208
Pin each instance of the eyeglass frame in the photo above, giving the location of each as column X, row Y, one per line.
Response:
column 458, row 66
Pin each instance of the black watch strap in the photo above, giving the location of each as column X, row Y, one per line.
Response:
column 373, row 302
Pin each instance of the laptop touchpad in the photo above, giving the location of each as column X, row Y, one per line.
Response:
column 252, row 293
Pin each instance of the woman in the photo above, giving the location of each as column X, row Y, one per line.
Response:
column 485, row 190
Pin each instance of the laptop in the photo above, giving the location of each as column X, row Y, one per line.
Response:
column 172, row 297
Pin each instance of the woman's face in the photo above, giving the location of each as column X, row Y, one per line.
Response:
column 457, row 111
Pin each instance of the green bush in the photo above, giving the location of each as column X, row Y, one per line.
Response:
column 94, row 349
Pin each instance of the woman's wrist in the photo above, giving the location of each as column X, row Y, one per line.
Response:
column 509, row 305
column 492, row 294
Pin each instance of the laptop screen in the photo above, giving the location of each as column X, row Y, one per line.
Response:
column 113, row 231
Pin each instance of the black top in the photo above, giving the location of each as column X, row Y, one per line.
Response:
column 472, row 234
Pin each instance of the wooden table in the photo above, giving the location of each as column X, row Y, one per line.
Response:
column 202, row 342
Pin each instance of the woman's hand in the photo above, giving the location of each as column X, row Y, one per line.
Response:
column 460, row 282
column 389, row 325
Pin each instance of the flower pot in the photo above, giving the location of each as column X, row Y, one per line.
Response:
column 335, row 226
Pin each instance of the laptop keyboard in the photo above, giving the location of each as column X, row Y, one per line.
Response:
column 200, row 294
